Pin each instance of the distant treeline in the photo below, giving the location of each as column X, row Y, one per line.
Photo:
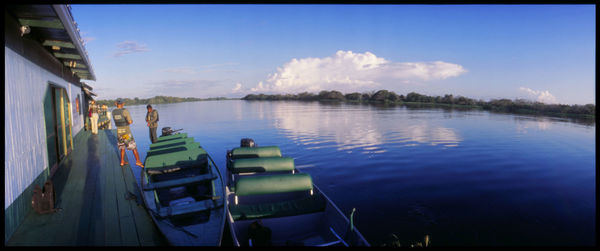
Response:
column 389, row 97
column 154, row 100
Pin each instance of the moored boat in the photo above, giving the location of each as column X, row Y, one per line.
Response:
column 270, row 202
column 183, row 191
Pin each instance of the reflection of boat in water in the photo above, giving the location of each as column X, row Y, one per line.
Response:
column 270, row 202
column 183, row 191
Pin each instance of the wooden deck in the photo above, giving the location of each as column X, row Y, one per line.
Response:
column 94, row 194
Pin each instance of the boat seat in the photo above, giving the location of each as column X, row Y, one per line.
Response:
column 255, row 152
column 267, row 164
column 173, row 149
column 269, row 184
column 191, row 157
column 310, row 204
column 171, row 143
column 190, row 208
column 171, row 137
column 180, row 182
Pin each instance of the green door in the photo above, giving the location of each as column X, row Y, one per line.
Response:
column 51, row 135
column 57, row 113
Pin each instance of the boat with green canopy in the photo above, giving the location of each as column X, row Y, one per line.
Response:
column 184, row 192
column 270, row 202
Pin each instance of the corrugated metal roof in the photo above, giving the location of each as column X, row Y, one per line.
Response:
column 54, row 28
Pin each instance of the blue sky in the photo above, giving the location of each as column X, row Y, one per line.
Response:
column 537, row 52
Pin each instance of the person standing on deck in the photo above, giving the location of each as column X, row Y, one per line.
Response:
column 152, row 120
column 108, row 115
column 124, row 137
column 94, row 118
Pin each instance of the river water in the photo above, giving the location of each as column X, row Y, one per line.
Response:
column 464, row 177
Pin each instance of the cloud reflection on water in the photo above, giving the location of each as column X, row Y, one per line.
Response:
column 524, row 124
column 358, row 128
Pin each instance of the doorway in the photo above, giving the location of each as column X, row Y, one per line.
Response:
column 57, row 116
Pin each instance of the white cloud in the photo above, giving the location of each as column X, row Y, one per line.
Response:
column 527, row 90
column 237, row 88
column 86, row 40
column 128, row 47
column 259, row 87
column 347, row 71
column 542, row 96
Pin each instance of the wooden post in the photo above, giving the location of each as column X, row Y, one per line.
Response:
column 70, row 124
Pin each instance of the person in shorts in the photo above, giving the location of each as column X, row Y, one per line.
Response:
column 93, row 110
column 125, row 139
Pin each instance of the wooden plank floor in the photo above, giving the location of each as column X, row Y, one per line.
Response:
column 94, row 194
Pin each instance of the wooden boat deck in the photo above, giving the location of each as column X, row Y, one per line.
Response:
column 94, row 194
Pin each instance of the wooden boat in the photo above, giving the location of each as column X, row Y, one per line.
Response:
column 184, row 191
column 270, row 202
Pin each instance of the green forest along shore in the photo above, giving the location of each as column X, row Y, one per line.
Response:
column 521, row 106
column 154, row 100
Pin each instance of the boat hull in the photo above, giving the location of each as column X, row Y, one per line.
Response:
column 261, row 189
column 205, row 234
column 186, row 199
column 312, row 229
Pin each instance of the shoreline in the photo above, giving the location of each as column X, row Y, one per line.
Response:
column 385, row 97
column 451, row 106
column 481, row 105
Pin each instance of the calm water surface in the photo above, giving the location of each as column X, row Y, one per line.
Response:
column 463, row 177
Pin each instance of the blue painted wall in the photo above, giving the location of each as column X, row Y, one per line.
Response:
column 26, row 161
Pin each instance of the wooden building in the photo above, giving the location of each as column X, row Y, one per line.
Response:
column 45, row 101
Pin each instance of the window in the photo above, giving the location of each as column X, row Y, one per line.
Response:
column 77, row 106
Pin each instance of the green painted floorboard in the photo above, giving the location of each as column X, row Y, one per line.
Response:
column 93, row 192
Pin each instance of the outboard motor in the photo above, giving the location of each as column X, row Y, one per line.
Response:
column 247, row 142
column 166, row 131
column 244, row 142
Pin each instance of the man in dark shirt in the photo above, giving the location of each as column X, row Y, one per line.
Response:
column 152, row 120
column 125, row 138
